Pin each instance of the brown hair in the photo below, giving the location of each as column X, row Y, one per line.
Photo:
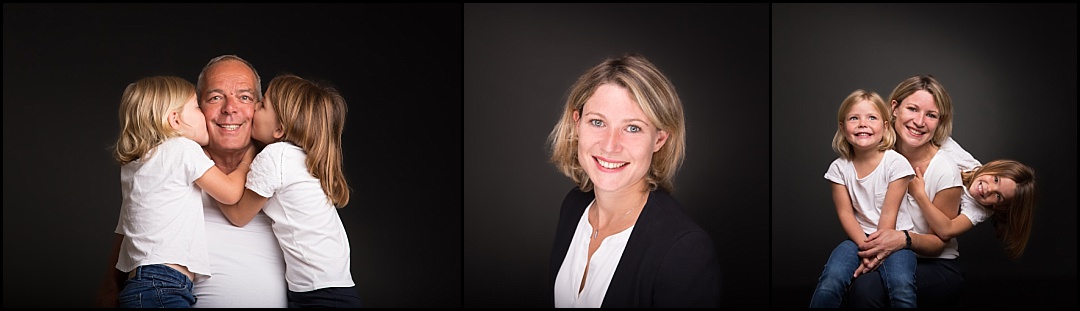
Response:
column 312, row 115
column 1013, row 218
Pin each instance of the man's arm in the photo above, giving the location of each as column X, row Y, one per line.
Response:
column 109, row 293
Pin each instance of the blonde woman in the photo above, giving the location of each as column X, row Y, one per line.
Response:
column 622, row 240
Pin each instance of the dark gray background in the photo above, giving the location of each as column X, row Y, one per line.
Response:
column 1011, row 72
column 520, row 61
column 398, row 67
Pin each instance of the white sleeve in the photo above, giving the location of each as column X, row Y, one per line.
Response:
column 975, row 212
column 898, row 165
column 264, row 178
column 964, row 160
column 835, row 173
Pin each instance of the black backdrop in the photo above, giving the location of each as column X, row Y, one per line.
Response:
column 398, row 67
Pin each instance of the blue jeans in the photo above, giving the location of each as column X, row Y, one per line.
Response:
column 897, row 273
column 157, row 286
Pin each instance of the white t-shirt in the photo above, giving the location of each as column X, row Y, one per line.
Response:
column 868, row 193
column 306, row 224
column 601, row 269
column 160, row 216
column 248, row 267
column 964, row 160
column 974, row 211
column 940, row 174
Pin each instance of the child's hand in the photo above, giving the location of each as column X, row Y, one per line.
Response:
column 917, row 184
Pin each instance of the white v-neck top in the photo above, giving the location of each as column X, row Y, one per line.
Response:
column 601, row 269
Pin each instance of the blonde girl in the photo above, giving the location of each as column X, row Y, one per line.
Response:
column 161, row 161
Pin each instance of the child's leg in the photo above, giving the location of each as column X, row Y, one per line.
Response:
column 836, row 276
column 157, row 286
column 898, row 275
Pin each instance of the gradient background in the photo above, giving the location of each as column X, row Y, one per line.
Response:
column 398, row 67
column 520, row 61
column 1011, row 73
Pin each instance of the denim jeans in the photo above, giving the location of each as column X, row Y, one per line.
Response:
column 898, row 272
column 157, row 286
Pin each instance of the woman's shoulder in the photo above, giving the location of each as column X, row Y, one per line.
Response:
column 669, row 212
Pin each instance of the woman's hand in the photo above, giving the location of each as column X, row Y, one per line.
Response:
column 878, row 246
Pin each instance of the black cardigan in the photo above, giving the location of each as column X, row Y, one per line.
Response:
column 669, row 261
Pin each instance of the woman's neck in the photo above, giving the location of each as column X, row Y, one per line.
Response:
column 610, row 204
column 918, row 156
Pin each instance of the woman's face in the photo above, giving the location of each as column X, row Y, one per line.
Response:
column 916, row 119
column 863, row 126
column 616, row 141
column 990, row 190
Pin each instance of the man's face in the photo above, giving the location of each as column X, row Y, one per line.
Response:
column 228, row 101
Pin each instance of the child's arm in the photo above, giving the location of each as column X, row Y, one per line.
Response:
column 242, row 212
column 943, row 226
column 224, row 188
column 227, row 188
column 890, row 209
column 846, row 212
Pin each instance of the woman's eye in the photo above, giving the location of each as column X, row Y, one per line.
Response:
column 932, row 115
column 633, row 129
column 596, row 122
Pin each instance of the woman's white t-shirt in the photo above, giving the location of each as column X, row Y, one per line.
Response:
column 941, row 174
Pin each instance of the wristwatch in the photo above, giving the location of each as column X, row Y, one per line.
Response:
column 908, row 236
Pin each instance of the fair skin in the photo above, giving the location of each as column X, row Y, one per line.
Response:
column 987, row 189
column 864, row 129
column 191, row 122
column 229, row 103
column 916, row 122
column 266, row 129
column 616, row 142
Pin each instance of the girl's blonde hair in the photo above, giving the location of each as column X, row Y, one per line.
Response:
column 651, row 91
column 144, row 114
column 1012, row 219
column 840, row 144
column 312, row 115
